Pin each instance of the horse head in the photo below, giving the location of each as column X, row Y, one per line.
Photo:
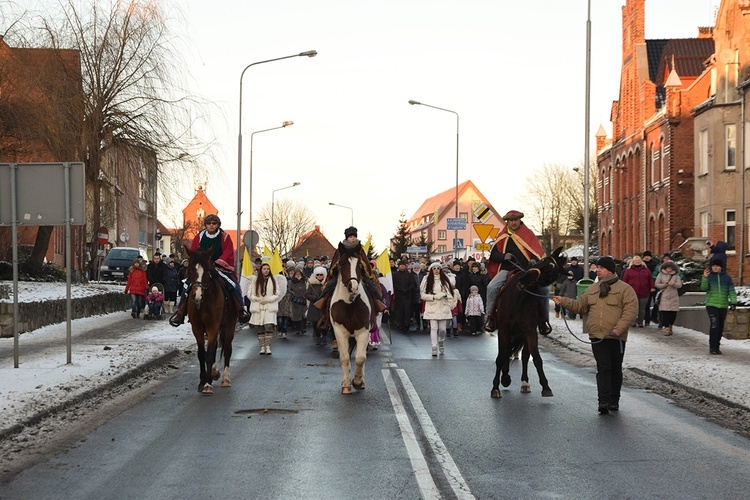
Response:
column 199, row 272
column 349, row 271
column 544, row 272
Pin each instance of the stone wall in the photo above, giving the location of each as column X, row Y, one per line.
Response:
column 693, row 315
column 33, row 315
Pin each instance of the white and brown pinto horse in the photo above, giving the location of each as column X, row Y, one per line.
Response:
column 351, row 312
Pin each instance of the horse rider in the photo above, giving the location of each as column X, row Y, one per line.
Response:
column 352, row 245
column 516, row 247
column 223, row 259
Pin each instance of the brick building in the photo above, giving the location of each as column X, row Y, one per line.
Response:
column 646, row 168
column 720, row 137
column 40, row 121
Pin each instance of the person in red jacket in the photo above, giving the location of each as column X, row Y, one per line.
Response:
column 223, row 258
column 639, row 277
column 137, row 287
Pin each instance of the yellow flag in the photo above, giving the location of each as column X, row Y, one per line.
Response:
column 247, row 265
column 366, row 246
column 435, row 217
column 266, row 252
column 276, row 265
column 384, row 263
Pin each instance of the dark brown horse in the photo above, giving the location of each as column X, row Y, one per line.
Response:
column 518, row 313
column 213, row 317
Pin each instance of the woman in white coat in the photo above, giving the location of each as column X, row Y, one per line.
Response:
column 439, row 297
column 264, row 293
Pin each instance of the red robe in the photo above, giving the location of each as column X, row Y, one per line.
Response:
column 524, row 239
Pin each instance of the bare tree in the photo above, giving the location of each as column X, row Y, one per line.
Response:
column 291, row 220
column 552, row 204
column 132, row 88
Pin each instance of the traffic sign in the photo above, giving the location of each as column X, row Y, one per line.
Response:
column 483, row 231
column 458, row 243
column 103, row 235
column 416, row 250
column 483, row 213
column 456, row 223
column 483, row 247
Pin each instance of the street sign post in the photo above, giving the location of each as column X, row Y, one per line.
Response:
column 456, row 223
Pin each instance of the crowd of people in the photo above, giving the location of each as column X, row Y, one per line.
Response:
column 449, row 298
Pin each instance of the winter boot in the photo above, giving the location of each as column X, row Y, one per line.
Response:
column 269, row 337
column 262, row 343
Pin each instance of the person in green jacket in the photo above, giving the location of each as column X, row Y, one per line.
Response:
column 720, row 295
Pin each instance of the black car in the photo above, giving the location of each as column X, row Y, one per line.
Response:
column 117, row 264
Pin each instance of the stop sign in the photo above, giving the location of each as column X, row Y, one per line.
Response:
column 103, row 235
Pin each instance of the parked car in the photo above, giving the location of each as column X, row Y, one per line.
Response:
column 117, row 264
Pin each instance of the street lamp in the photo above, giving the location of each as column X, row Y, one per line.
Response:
column 309, row 53
column 273, row 205
column 417, row 103
column 342, row 206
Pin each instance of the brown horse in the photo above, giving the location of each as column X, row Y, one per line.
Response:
column 518, row 312
column 213, row 317
column 352, row 315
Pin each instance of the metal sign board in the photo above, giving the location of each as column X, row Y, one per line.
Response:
column 483, row 213
column 458, row 243
column 416, row 249
column 483, row 247
column 456, row 223
column 40, row 194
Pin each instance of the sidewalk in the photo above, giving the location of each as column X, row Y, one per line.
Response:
column 682, row 358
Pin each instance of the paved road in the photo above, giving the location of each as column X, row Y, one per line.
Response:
column 424, row 427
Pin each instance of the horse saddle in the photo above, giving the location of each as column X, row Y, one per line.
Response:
column 508, row 279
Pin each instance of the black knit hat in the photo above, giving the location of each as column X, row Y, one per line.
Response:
column 717, row 262
column 350, row 231
column 607, row 263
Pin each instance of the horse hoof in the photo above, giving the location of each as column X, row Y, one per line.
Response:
column 505, row 380
column 215, row 375
column 207, row 389
column 226, row 383
column 496, row 394
column 525, row 389
column 346, row 390
column 360, row 386
column 547, row 393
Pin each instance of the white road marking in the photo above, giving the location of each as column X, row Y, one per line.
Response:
column 455, row 479
column 426, row 484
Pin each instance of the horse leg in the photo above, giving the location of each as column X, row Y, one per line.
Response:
column 546, row 391
column 525, row 386
column 226, row 350
column 359, row 360
column 501, row 364
column 202, row 364
column 345, row 359
column 211, row 362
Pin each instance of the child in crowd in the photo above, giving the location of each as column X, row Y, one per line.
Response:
column 137, row 287
column 474, row 310
column 155, row 300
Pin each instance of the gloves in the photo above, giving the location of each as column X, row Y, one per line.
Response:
column 733, row 307
column 508, row 257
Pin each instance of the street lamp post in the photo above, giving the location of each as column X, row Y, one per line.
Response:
column 342, row 206
column 309, row 53
column 587, row 127
column 417, row 103
column 273, row 193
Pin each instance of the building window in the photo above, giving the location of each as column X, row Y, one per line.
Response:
column 703, row 152
column 442, row 234
column 729, row 229
column 442, row 249
column 704, row 224
column 654, row 158
column 463, row 215
column 731, row 138
column 662, row 164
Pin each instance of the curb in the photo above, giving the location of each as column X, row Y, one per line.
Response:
column 91, row 393
column 691, row 390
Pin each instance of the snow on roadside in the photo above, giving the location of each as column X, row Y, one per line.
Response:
column 40, row 291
